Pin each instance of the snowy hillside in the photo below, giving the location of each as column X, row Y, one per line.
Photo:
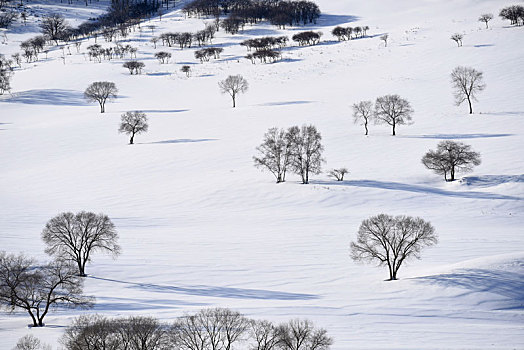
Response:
column 200, row 226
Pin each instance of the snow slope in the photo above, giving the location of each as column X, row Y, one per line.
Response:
column 200, row 226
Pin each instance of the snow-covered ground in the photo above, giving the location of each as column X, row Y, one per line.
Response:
column 201, row 226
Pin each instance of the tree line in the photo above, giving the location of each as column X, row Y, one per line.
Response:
column 206, row 329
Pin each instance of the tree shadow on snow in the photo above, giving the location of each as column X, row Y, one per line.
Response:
column 397, row 186
column 505, row 283
column 327, row 20
column 491, row 180
column 179, row 141
column 212, row 291
column 285, row 103
column 454, row 136
column 47, row 97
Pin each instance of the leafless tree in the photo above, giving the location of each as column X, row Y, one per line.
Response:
column 457, row 37
column 101, row 91
column 143, row 333
column 302, row 335
column 338, row 173
column 451, row 157
column 163, row 57
column 154, row 40
column 134, row 66
column 467, row 82
column 385, row 38
column 274, row 153
column 29, row 342
column 133, row 123
column 54, row 26
column 75, row 237
column 305, row 149
column 92, row 332
column 265, row 334
column 187, row 333
column 393, row 110
column 391, row 240
column 486, row 18
column 186, row 69
column 363, row 113
column 234, row 327
column 233, row 85
column 36, row 288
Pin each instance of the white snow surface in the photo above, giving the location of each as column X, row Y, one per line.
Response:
column 200, row 226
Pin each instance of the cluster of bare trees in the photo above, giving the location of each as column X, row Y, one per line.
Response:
column 390, row 241
column 348, row 33
column 514, row 14
column 265, row 43
column 297, row 149
column 71, row 239
column 6, row 73
column 204, row 55
column 389, row 109
column 278, row 12
column 96, row 52
column 307, row 38
column 186, row 39
column 207, row 329
column 135, row 67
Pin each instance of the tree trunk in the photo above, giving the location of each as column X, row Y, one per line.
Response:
column 452, row 172
column 234, row 102
column 131, row 140
column 470, row 107
column 366, row 126
column 394, row 129
column 35, row 323
column 102, row 107
column 81, row 269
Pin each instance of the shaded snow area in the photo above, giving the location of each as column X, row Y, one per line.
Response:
column 200, row 226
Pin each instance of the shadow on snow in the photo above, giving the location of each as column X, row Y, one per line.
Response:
column 212, row 291
column 491, row 180
column 47, row 97
column 455, row 136
column 505, row 283
column 179, row 141
column 397, row 186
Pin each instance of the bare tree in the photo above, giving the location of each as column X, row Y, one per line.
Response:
column 457, row 37
column 274, row 153
column 28, row 342
column 187, row 333
column 451, row 157
column 92, row 332
column 36, row 289
column 133, row 123
column 143, row 333
column 186, row 69
column 338, row 173
column 385, row 38
column 391, row 240
column 101, row 91
column 363, row 113
column 54, row 26
column 486, row 18
column 302, row 335
column 76, row 237
column 393, row 110
column 305, row 149
column 265, row 335
column 467, row 82
column 163, row 57
column 134, row 66
column 234, row 327
column 233, row 85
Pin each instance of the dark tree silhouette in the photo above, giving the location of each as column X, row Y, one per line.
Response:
column 363, row 113
column 54, row 26
column 134, row 66
column 392, row 240
column 457, row 37
column 467, row 82
column 75, row 237
column 339, row 173
column 486, row 18
column 186, row 69
column 393, row 110
column 451, row 157
column 274, row 153
column 305, row 149
column 301, row 334
column 133, row 123
column 39, row 288
column 233, row 85
column 163, row 57
column 101, row 91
